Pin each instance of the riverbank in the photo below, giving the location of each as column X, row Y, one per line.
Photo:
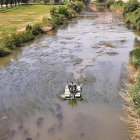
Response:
column 118, row 10
column 16, row 18
column 57, row 16
column 130, row 116
column 132, row 94
column 97, row 4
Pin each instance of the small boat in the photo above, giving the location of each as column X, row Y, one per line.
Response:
column 73, row 94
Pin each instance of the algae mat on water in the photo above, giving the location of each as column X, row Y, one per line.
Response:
column 20, row 16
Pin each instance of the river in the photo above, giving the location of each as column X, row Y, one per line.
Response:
column 94, row 48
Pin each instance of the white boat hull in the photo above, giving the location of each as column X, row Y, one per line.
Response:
column 68, row 95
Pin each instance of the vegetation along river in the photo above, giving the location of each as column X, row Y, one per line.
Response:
column 94, row 47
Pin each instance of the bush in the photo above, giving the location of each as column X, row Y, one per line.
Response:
column 26, row 36
column 7, row 42
column 53, row 10
column 65, row 11
column 135, row 58
column 76, row 6
column 37, row 28
column 70, row 13
column 108, row 3
column 4, row 51
column 135, row 94
column 16, row 39
column 57, row 19
column 134, row 18
column 130, row 6
column 119, row 3
column 45, row 18
column 29, row 28
column 135, row 89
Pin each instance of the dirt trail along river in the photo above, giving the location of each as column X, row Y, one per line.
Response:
column 95, row 48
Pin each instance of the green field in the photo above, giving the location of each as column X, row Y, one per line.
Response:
column 12, row 19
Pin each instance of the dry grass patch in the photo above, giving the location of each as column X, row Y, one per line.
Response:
column 130, row 117
column 122, row 41
column 108, row 45
column 111, row 53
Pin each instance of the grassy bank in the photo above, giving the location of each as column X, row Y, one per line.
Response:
column 13, row 19
column 97, row 4
column 9, row 42
column 135, row 89
column 132, row 94
column 131, row 12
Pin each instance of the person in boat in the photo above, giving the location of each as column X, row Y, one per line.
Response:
column 72, row 85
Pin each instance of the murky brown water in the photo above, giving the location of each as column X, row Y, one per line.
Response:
column 95, row 48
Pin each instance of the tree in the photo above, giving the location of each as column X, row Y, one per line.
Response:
column 1, row 2
column 11, row 2
column 18, row 2
column 6, row 3
column 15, row 2
column 45, row 1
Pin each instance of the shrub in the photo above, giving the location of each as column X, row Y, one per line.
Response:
column 65, row 11
column 135, row 57
column 29, row 28
column 135, row 94
column 53, row 10
column 119, row 3
column 130, row 6
column 76, row 6
column 134, row 18
column 108, row 3
column 16, row 39
column 7, row 42
column 26, row 36
column 45, row 18
column 37, row 28
column 52, row 22
column 4, row 51
column 57, row 19
column 70, row 13
column 135, row 89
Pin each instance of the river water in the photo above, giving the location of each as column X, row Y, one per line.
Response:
column 94, row 48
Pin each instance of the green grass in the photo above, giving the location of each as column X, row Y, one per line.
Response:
column 6, row 30
column 134, row 19
column 16, row 22
column 20, row 16
column 100, row 4
column 95, row 3
column 116, row 5
column 135, row 89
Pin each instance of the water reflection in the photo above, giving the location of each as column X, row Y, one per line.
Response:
column 10, row 58
column 72, row 103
